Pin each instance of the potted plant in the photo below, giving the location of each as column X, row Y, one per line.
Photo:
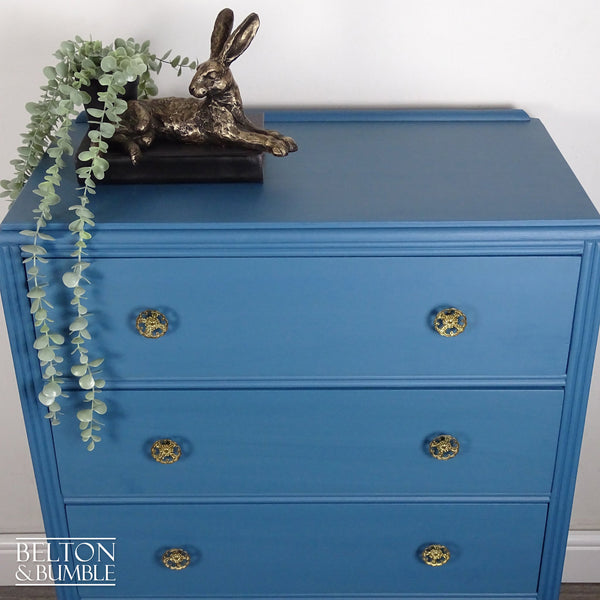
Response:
column 88, row 73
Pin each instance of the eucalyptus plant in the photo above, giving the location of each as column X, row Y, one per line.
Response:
column 66, row 90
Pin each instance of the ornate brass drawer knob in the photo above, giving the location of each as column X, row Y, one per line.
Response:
column 151, row 324
column 176, row 559
column 444, row 447
column 166, row 451
column 435, row 555
column 449, row 322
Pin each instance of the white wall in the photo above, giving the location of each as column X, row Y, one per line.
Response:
column 539, row 55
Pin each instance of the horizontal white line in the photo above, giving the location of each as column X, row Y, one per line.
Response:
column 65, row 538
column 65, row 584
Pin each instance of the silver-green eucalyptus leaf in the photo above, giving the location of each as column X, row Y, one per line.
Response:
column 85, row 415
column 45, row 400
column 51, row 390
column 43, row 341
column 71, row 279
column 36, row 292
column 79, row 324
column 78, row 370
column 86, row 382
column 46, row 355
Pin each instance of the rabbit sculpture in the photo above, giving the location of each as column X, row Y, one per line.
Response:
column 214, row 114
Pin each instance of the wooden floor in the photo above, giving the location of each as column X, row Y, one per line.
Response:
column 569, row 591
column 580, row 591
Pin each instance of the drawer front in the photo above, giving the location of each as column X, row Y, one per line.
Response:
column 324, row 549
column 317, row 442
column 332, row 317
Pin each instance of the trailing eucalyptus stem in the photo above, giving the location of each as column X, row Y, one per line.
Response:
column 104, row 121
column 49, row 130
column 47, row 341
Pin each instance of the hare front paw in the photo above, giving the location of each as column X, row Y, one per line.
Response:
column 288, row 141
column 278, row 148
column 282, row 145
column 291, row 143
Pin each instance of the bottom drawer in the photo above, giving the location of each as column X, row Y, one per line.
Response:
column 284, row 549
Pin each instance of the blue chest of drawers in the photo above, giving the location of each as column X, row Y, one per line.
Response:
column 374, row 377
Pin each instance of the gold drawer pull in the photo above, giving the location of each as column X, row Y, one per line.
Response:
column 450, row 322
column 151, row 324
column 176, row 559
column 444, row 447
column 435, row 555
column 166, row 451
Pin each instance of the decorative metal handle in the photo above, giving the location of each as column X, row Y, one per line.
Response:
column 444, row 447
column 151, row 324
column 166, row 451
column 435, row 555
column 176, row 559
column 449, row 322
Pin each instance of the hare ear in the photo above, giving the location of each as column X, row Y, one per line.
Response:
column 240, row 39
column 221, row 31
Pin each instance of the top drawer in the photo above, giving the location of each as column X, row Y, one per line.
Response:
column 331, row 317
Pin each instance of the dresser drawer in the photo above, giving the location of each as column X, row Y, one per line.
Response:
column 286, row 549
column 318, row 442
column 332, row 317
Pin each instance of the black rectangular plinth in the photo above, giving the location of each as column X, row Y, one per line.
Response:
column 174, row 162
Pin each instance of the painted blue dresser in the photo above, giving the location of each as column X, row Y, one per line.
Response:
column 374, row 377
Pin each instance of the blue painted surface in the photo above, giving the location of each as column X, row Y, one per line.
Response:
column 585, row 329
column 303, row 378
column 324, row 549
column 318, row 443
column 337, row 317
column 365, row 172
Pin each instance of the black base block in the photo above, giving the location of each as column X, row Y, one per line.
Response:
column 170, row 162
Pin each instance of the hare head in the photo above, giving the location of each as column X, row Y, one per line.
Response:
column 214, row 77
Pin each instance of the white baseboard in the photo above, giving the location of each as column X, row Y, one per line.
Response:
column 581, row 564
column 583, row 557
column 8, row 555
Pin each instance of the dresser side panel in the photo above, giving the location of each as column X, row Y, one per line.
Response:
column 581, row 359
column 39, row 435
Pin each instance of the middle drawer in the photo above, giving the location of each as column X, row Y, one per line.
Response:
column 317, row 443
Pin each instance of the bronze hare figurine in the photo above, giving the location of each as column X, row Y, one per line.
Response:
column 214, row 115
